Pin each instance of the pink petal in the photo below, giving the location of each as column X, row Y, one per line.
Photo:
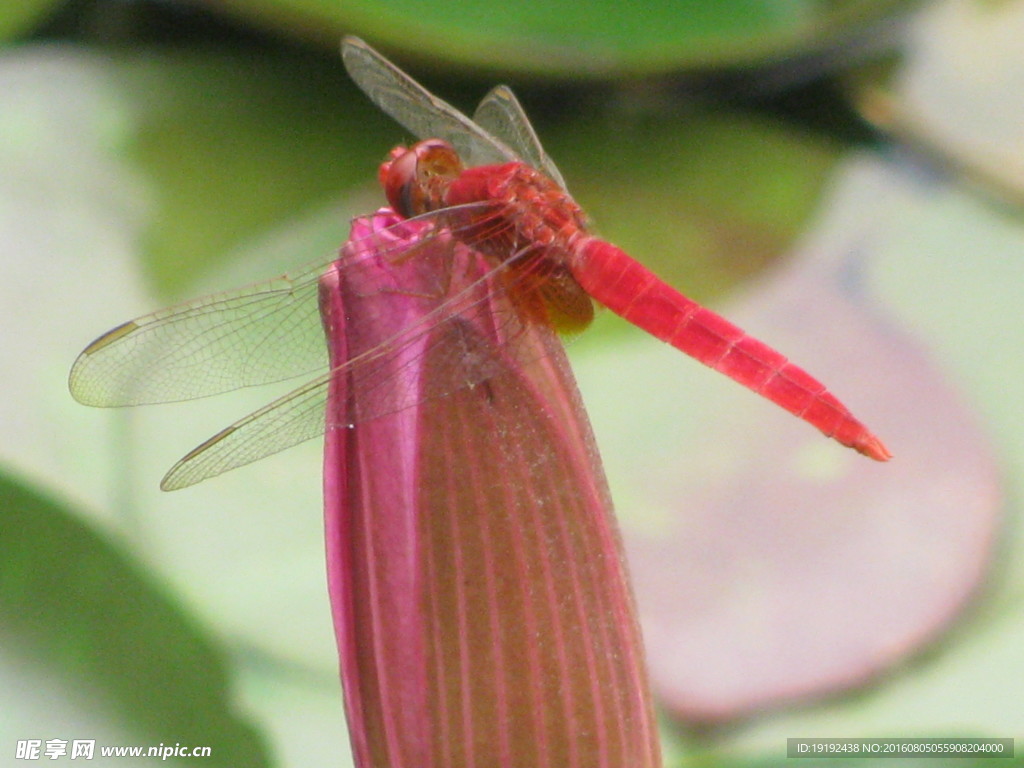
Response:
column 480, row 598
column 792, row 569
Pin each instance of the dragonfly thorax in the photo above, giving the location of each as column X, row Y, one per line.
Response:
column 528, row 208
column 500, row 208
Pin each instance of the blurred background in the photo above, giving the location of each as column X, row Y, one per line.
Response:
column 843, row 178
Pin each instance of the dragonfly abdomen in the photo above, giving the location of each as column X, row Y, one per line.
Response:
column 638, row 295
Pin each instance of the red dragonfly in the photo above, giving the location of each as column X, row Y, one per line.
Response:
column 485, row 182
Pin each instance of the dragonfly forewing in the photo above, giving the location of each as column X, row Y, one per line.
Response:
column 453, row 322
column 258, row 334
column 266, row 332
column 416, row 108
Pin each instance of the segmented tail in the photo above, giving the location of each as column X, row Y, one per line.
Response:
column 635, row 293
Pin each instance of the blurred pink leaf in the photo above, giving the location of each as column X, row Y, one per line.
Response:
column 787, row 569
column 480, row 599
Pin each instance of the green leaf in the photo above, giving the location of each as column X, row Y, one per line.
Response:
column 705, row 199
column 75, row 605
column 233, row 144
column 233, row 147
column 17, row 18
column 570, row 37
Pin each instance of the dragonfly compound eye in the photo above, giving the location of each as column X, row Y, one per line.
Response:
column 416, row 179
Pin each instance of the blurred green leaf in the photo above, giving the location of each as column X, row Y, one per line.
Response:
column 705, row 199
column 21, row 16
column 73, row 603
column 565, row 38
column 233, row 144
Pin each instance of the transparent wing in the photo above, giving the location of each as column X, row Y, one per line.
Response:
column 287, row 421
column 422, row 113
column 502, row 116
column 377, row 380
column 261, row 333
column 266, row 332
column 386, row 378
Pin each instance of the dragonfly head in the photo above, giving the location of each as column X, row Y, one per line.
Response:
column 416, row 178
